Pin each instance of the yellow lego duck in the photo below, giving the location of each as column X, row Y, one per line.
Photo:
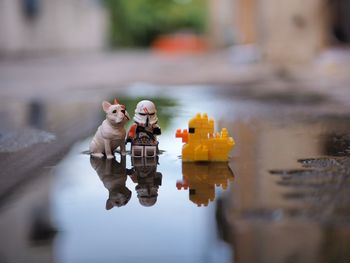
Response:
column 202, row 178
column 202, row 144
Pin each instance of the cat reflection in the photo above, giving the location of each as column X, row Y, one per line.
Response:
column 113, row 175
column 144, row 174
column 201, row 179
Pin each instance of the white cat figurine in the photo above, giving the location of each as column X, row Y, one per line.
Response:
column 111, row 133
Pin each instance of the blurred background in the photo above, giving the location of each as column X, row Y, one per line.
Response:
column 274, row 72
column 274, row 27
column 307, row 41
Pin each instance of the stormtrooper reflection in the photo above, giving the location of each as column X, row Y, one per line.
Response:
column 144, row 174
column 201, row 179
column 113, row 175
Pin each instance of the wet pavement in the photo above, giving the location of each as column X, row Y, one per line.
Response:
column 282, row 197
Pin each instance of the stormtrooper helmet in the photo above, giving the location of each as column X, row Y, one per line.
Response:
column 146, row 113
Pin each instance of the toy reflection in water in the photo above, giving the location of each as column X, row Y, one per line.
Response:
column 113, row 175
column 145, row 175
column 201, row 179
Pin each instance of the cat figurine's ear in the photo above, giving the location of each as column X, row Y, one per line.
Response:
column 106, row 105
column 109, row 204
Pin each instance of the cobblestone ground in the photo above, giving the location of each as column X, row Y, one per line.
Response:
column 50, row 76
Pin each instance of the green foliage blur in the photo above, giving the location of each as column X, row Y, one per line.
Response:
column 166, row 108
column 138, row 22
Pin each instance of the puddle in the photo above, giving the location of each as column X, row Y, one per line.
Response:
column 99, row 212
column 283, row 197
column 132, row 209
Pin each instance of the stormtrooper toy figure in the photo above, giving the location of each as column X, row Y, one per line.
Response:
column 142, row 133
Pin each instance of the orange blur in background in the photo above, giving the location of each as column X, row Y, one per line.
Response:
column 180, row 43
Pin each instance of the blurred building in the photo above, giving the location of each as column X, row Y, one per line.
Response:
column 286, row 31
column 51, row 25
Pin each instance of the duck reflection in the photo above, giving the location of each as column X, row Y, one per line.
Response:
column 113, row 175
column 201, row 179
column 144, row 174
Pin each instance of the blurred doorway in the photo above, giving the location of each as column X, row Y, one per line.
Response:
column 340, row 21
